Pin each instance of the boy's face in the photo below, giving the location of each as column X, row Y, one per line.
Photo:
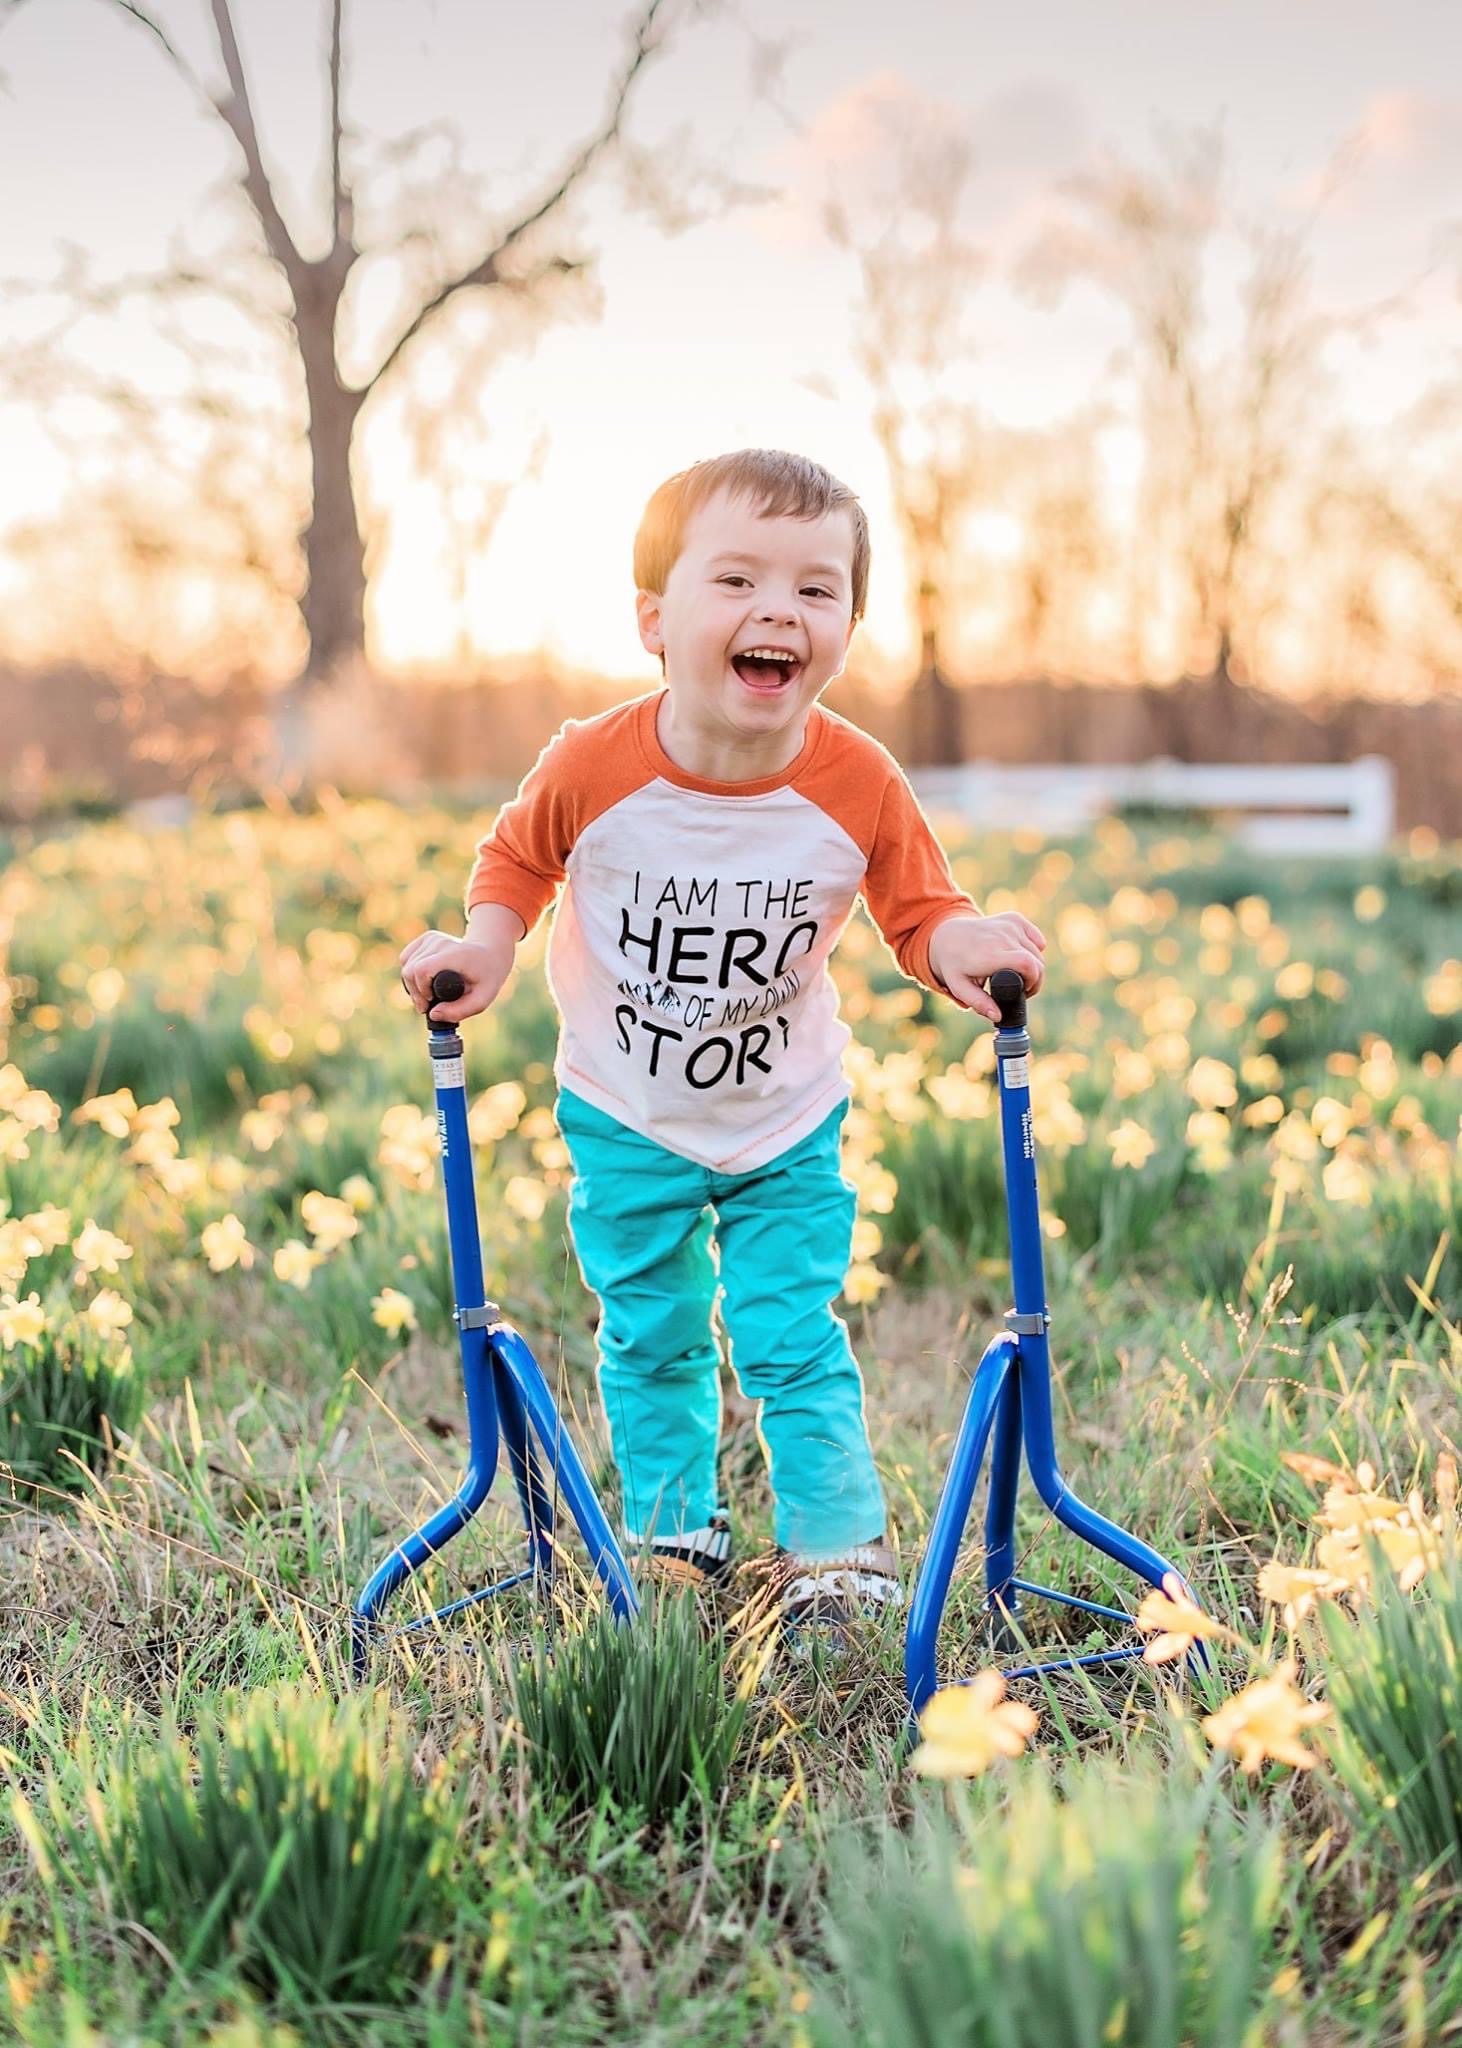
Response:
column 741, row 583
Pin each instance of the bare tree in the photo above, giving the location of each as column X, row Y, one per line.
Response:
column 1227, row 424
column 519, row 256
column 917, row 269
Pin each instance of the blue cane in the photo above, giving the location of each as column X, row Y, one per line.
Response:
column 506, row 1395
column 1010, row 1401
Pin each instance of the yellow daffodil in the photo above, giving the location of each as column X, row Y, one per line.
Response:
column 966, row 1727
column 359, row 1192
column 1132, row 1073
column 183, row 1178
column 393, row 1311
column 863, row 1283
column 157, row 1116
column 1211, row 1084
column 496, row 1112
column 97, row 1250
column 153, row 1149
column 113, row 1113
column 227, row 1175
column 960, row 1094
column 1342, row 1553
column 1296, row 1589
column 1179, row 1619
column 106, row 989
column 1131, row 1144
column 23, row 1238
column 1319, row 1471
column 1210, row 1134
column 328, row 1220
column 1351, row 1507
column 14, row 1140
column 46, row 1229
column 527, row 1198
column 1265, row 1720
column 1411, row 1548
column 409, row 1144
column 14, row 1258
column 867, row 1238
column 295, row 1262
column 21, row 1322
column 225, row 1244
column 261, row 1129
column 108, row 1312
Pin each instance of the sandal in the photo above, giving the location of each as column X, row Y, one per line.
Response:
column 823, row 1601
column 696, row 1558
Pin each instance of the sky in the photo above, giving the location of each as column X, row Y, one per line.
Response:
column 739, row 330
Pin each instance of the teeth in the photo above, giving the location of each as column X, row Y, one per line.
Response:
column 766, row 654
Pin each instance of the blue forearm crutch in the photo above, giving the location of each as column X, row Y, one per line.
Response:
column 505, row 1392
column 1010, row 1400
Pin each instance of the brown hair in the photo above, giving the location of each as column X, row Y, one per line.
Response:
column 783, row 486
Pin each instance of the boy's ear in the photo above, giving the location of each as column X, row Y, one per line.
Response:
column 648, row 605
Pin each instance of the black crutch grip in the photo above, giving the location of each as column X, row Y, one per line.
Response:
column 1008, row 990
column 446, row 985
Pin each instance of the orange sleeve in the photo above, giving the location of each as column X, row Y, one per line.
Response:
column 909, row 889
column 520, row 863
column 586, row 767
column 907, row 884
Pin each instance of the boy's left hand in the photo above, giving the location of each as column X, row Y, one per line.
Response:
column 965, row 951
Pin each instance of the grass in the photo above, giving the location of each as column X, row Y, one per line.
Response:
column 639, row 1836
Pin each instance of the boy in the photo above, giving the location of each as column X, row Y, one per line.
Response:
column 711, row 838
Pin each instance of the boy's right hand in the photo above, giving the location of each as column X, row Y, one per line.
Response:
column 483, row 964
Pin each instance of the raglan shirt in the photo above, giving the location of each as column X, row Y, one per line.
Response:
column 689, row 952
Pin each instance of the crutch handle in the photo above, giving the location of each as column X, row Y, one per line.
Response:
column 446, row 985
column 1008, row 990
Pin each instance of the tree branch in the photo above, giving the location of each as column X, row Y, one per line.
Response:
column 237, row 111
column 342, row 212
column 648, row 39
column 485, row 273
column 179, row 61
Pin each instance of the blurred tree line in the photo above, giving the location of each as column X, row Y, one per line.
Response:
column 225, row 512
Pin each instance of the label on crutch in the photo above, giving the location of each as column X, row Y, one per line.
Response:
column 1016, row 1071
column 450, row 1073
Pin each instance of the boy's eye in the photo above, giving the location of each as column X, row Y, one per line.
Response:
column 809, row 590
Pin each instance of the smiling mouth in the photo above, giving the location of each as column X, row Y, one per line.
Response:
column 766, row 673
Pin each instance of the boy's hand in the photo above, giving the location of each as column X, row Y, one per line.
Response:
column 484, row 964
column 965, row 951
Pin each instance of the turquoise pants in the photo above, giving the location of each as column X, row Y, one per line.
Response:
column 663, row 1242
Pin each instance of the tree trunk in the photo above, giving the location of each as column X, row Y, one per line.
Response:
column 334, row 601
column 333, row 604
column 935, row 739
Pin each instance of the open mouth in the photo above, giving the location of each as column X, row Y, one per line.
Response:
column 766, row 671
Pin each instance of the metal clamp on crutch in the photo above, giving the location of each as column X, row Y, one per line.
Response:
column 1011, row 1395
column 503, row 1386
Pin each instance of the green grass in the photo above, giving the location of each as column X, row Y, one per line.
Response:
column 591, row 1835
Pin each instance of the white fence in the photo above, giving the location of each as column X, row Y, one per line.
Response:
column 1311, row 808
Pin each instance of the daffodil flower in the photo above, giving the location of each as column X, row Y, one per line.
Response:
column 1265, row 1720
column 966, row 1727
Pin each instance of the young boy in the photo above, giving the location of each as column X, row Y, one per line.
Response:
column 711, row 838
